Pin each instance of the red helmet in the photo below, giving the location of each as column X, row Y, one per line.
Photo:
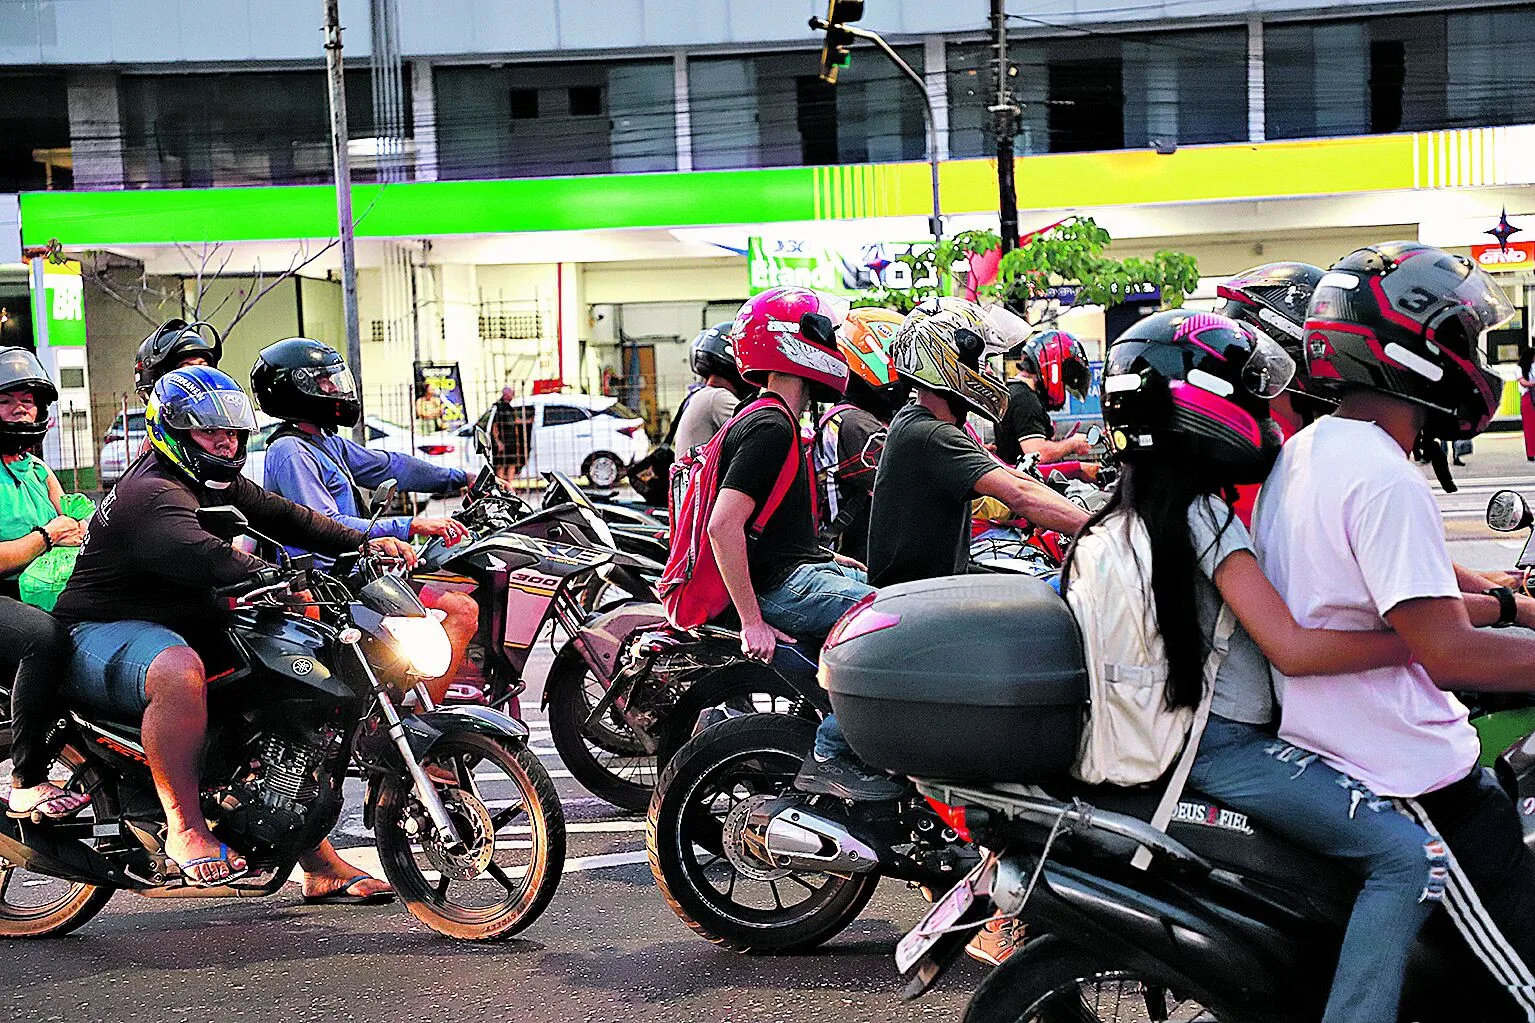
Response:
column 1060, row 362
column 794, row 331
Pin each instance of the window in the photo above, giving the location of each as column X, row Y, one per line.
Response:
column 563, row 415
column 1087, row 104
column 524, row 104
column 1388, row 76
column 1491, row 67
column 772, row 110
column 34, row 122
column 538, row 120
column 619, row 411
column 71, row 377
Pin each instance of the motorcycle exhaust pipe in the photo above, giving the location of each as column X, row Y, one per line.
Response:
column 787, row 834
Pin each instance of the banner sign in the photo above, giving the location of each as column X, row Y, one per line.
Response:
column 61, row 304
column 440, row 396
column 789, row 262
column 1519, row 256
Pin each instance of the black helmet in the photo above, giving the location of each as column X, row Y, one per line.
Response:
column 1273, row 298
column 306, row 381
column 1196, row 386
column 20, row 371
column 1407, row 320
column 198, row 398
column 713, row 354
column 173, row 342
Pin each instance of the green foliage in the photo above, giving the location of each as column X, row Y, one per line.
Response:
column 1070, row 253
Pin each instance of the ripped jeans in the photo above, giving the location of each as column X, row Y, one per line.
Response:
column 1293, row 793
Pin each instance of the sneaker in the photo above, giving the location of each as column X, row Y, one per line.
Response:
column 845, row 778
column 997, row 940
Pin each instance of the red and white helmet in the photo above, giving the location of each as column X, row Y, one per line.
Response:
column 1060, row 362
column 794, row 331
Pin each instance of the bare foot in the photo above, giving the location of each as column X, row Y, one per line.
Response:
column 47, row 801
column 347, row 887
column 203, row 859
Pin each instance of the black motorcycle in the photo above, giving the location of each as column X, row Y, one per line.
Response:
column 468, row 826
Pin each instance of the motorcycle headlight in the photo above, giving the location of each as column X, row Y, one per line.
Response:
column 422, row 643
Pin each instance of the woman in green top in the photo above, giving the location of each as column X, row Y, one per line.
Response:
column 34, row 649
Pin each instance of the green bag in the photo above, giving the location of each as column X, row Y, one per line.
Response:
column 43, row 580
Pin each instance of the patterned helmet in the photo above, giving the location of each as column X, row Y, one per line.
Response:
column 1060, row 362
column 793, row 331
column 1196, row 386
column 1407, row 320
column 1274, row 298
column 940, row 347
column 198, row 398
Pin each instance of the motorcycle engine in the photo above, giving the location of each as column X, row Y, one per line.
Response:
column 271, row 794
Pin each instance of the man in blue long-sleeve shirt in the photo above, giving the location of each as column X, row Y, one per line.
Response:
column 306, row 384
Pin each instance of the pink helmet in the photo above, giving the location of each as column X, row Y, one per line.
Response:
column 794, row 331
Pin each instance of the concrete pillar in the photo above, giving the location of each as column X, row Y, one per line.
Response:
column 95, row 130
column 1257, row 127
column 460, row 295
column 423, row 108
column 935, row 71
column 572, row 321
column 681, row 105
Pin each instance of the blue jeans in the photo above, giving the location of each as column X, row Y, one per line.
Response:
column 807, row 605
column 1292, row 793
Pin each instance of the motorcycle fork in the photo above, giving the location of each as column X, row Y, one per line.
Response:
column 423, row 785
column 615, row 689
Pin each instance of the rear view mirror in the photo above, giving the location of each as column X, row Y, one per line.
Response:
column 1507, row 511
column 384, row 493
column 482, row 433
column 224, row 521
column 1094, row 436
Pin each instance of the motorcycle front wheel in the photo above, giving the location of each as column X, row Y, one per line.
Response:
column 504, row 807
column 36, row 905
column 741, row 905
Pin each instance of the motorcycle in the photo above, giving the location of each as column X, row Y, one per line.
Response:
column 302, row 696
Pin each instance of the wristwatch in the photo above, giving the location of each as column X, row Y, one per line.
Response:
column 1508, row 610
column 47, row 540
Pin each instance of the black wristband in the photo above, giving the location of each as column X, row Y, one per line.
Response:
column 1508, row 608
column 47, row 540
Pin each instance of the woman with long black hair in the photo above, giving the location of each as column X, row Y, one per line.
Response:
column 1186, row 400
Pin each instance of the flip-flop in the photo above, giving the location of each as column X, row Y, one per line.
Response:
column 343, row 896
column 38, row 815
column 222, row 857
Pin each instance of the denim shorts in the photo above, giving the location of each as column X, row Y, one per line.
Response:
column 111, row 661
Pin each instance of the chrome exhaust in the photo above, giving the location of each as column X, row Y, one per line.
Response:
column 788, row 835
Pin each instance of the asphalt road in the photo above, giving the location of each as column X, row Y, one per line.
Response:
column 607, row 950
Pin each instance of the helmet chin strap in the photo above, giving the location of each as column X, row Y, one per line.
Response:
column 1428, row 447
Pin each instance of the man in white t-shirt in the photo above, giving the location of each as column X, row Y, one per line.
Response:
column 1348, row 531
column 706, row 409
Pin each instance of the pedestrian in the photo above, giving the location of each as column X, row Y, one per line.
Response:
column 511, row 435
column 1527, row 400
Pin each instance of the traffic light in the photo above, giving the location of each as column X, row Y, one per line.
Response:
column 835, row 54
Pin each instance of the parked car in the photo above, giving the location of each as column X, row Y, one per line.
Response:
column 578, row 434
column 116, row 455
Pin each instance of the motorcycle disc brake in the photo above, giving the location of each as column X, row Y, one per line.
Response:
column 473, row 823
column 735, row 851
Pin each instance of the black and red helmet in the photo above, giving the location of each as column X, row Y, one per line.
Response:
column 1196, row 386
column 1274, row 298
column 1406, row 320
column 1060, row 362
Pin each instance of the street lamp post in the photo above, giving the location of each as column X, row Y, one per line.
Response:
column 341, row 165
column 936, row 219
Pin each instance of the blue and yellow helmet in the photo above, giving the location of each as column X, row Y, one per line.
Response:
column 198, row 398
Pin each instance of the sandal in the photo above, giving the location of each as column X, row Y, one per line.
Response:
column 52, row 804
column 223, row 857
column 344, row 896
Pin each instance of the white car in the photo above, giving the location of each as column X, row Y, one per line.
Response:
column 578, row 434
column 117, row 455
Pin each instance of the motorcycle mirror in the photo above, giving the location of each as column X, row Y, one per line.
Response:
column 384, row 493
column 1094, row 436
column 482, row 439
column 224, row 521
column 1507, row 511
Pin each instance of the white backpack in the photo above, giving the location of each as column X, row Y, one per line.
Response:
column 1130, row 736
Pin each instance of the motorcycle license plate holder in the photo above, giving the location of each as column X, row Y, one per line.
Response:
column 943, row 915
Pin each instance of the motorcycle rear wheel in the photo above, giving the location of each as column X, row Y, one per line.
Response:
column 1051, row 981
column 54, row 907
column 718, row 768
column 505, row 881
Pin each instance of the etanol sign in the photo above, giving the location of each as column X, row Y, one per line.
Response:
column 1518, row 256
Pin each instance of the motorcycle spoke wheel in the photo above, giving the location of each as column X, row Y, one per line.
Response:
column 503, row 805
column 604, row 755
column 34, row 905
column 1053, row 982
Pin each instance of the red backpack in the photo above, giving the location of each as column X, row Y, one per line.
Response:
column 691, row 588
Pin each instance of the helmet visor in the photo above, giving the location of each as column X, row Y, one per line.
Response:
column 1482, row 295
column 1076, row 374
column 1268, row 370
column 212, row 410
column 325, row 381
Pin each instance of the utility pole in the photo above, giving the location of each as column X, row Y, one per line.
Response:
column 1005, row 124
column 343, row 173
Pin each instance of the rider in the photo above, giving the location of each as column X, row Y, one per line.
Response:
column 138, row 602
column 851, row 433
column 306, row 384
column 1050, row 365
column 783, row 584
column 1187, row 399
column 931, row 468
column 36, row 646
column 1350, row 534
column 705, row 410
column 173, row 345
